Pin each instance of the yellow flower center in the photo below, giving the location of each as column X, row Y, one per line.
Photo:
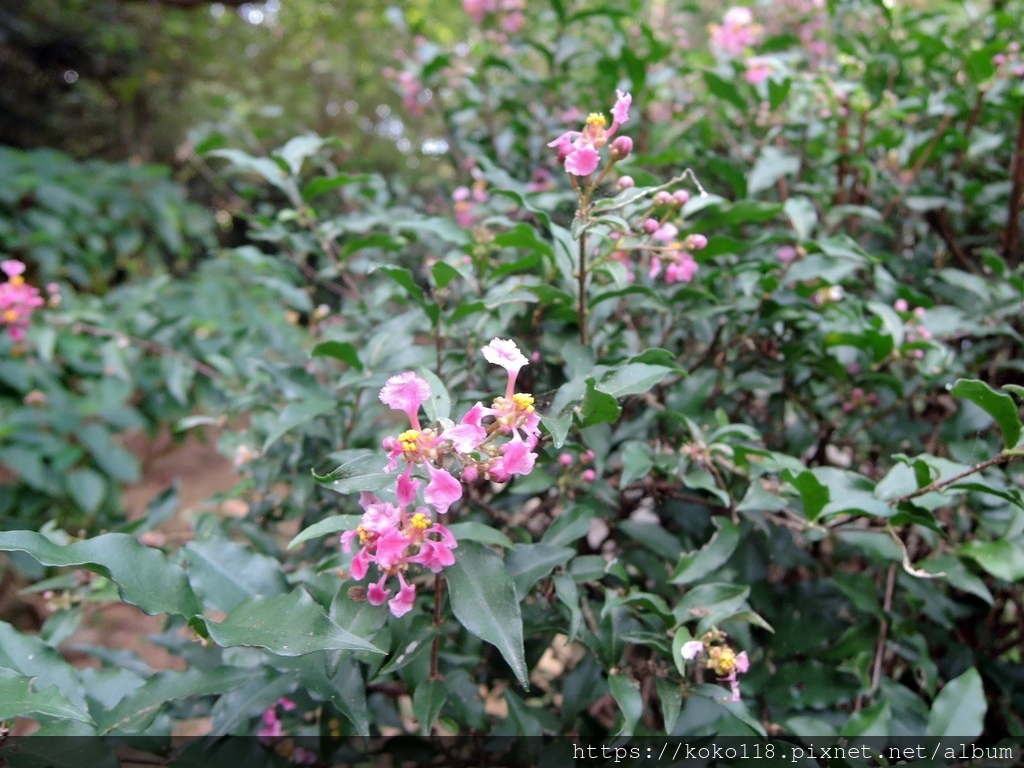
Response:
column 409, row 440
column 10, row 315
column 523, row 401
column 16, row 280
column 420, row 521
column 722, row 660
column 364, row 534
column 597, row 120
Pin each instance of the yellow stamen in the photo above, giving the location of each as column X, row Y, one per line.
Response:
column 523, row 401
column 420, row 521
column 721, row 660
column 597, row 120
column 16, row 280
column 363, row 534
column 409, row 440
column 10, row 315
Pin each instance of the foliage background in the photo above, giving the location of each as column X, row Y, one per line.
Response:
column 782, row 448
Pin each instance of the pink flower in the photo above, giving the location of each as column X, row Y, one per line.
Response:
column 588, row 476
column 583, row 161
column 443, row 490
column 271, row 725
column 505, row 353
column 901, row 305
column 736, row 33
column 620, row 112
column 402, row 603
column 681, row 271
column 758, row 69
column 666, row 232
column 407, row 487
column 786, row 254
column 376, row 594
column 406, row 392
column 517, row 459
column 18, row 299
column 692, row 649
column 578, row 150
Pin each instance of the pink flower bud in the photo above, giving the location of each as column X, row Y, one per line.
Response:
column 651, row 226
column 621, row 147
column 565, row 459
column 663, row 198
column 901, row 305
column 681, row 196
column 919, row 312
column 588, row 475
column 588, row 456
column 696, row 242
column 626, row 182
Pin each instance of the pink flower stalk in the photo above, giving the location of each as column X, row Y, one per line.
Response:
column 578, row 150
column 18, row 299
column 505, row 353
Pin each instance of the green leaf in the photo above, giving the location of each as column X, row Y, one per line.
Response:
column 627, row 695
column 297, row 150
column 87, row 487
column 427, row 700
column 480, row 532
column 770, row 166
column 143, row 575
column 340, row 350
column 362, row 473
column 802, row 215
column 529, row 563
column 812, row 492
column 325, row 527
column 288, row 625
column 713, row 555
column 1002, row 558
column 443, row 273
column 483, row 598
column 998, row 405
column 725, row 89
column 959, row 709
column 439, row 405
column 671, row 697
column 138, row 709
column 296, row 414
column 632, row 379
column 18, row 699
column 227, row 573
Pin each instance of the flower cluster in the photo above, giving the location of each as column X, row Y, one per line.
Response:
column 511, row 13
column 578, row 150
column 670, row 252
column 393, row 538
column 18, row 299
column 721, row 659
column 736, row 33
column 271, row 729
column 465, row 201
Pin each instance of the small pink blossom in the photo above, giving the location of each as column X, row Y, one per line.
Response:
column 758, row 69
column 406, row 392
column 786, row 254
column 626, row 182
column 403, row 602
column 442, row 491
column 665, row 233
column 692, row 649
column 620, row 112
column 588, row 475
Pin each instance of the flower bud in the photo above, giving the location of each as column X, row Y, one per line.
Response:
column 651, row 226
column 621, row 147
column 695, row 242
column 565, row 459
column 588, row 475
column 626, row 182
column 663, row 198
column 681, row 196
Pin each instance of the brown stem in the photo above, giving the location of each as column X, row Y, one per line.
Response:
column 938, row 485
column 1016, row 196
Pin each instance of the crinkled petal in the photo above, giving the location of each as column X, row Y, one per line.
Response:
column 406, row 392
column 406, row 487
column 582, row 161
column 620, row 112
column 505, row 353
column 402, row 603
column 442, row 491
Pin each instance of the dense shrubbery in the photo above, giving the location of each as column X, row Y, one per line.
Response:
column 752, row 472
